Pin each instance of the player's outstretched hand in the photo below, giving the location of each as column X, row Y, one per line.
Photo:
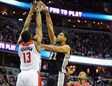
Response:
column 39, row 6
column 34, row 4
column 44, row 7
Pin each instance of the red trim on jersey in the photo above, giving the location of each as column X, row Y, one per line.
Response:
column 39, row 79
column 27, row 44
column 66, row 85
column 78, row 84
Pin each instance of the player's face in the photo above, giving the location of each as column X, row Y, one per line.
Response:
column 82, row 75
column 60, row 37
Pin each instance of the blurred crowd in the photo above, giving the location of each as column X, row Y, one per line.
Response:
column 7, row 79
column 7, row 32
column 101, row 78
column 97, row 45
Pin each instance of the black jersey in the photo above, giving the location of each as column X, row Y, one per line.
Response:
column 57, row 62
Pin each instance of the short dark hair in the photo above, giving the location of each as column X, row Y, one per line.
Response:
column 26, row 36
column 67, row 37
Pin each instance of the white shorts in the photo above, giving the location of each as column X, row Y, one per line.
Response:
column 61, row 79
column 29, row 78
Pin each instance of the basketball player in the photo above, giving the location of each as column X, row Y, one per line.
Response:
column 29, row 51
column 60, row 52
column 81, row 82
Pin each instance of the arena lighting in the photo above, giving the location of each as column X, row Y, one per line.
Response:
column 17, row 3
column 80, row 59
column 89, row 60
column 96, row 16
column 62, row 11
column 74, row 59
column 20, row 19
column 8, row 47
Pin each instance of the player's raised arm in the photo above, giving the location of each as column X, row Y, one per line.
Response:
column 27, row 22
column 49, row 25
column 28, row 19
column 38, row 37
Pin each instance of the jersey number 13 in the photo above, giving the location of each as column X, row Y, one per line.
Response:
column 27, row 57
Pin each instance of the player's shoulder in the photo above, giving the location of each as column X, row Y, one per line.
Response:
column 26, row 44
column 66, row 45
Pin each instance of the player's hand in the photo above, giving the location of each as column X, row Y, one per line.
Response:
column 71, row 69
column 39, row 6
column 44, row 7
column 34, row 4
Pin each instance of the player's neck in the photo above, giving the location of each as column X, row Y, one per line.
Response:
column 82, row 82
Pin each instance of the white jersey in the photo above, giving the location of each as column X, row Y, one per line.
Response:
column 30, row 58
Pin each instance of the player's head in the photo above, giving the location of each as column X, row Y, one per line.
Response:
column 63, row 37
column 26, row 36
column 82, row 75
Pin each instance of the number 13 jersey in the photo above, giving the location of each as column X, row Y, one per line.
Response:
column 30, row 58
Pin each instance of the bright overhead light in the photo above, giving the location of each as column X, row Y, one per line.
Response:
column 74, row 26
column 20, row 19
column 49, row 1
column 94, row 22
column 101, row 22
column 78, row 20
column 69, row 20
column 16, row 3
column 85, row 21
column 14, row 12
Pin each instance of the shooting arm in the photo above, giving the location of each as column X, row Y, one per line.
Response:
column 49, row 25
column 38, row 37
column 27, row 23
column 38, row 31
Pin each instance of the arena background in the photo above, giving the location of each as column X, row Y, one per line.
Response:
column 90, row 38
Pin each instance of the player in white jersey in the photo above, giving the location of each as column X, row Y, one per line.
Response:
column 29, row 56
column 29, row 51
